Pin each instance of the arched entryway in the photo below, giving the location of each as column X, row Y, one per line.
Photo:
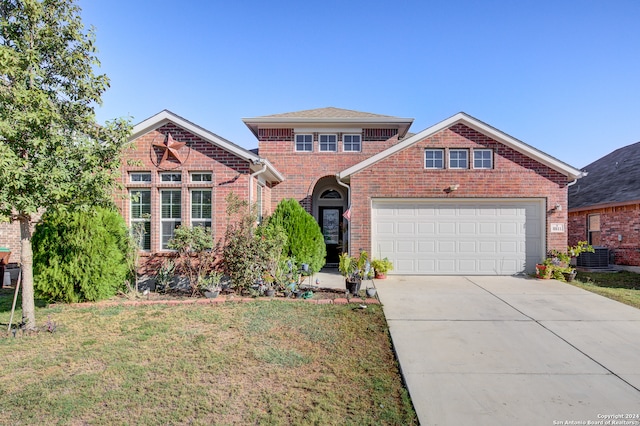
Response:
column 329, row 204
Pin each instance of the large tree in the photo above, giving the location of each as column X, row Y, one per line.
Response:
column 53, row 154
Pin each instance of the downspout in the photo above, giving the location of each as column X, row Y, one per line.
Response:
column 253, row 175
column 348, row 207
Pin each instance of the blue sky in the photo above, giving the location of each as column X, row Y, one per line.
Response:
column 561, row 75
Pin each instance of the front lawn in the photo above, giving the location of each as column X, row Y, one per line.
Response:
column 622, row 286
column 260, row 362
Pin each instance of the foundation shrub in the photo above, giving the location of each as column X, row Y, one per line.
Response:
column 80, row 256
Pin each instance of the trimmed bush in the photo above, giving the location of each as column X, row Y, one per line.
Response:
column 80, row 256
column 305, row 242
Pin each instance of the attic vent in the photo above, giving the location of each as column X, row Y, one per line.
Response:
column 379, row 134
column 598, row 259
column 275, row 134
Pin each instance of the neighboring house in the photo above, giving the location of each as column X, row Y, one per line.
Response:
column 460, row 197
column 604, row 206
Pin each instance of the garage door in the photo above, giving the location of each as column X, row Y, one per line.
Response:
column 453, row 237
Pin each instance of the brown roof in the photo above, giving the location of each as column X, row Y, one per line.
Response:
column 328, row 112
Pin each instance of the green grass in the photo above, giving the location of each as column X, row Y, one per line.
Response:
column 622, row 286
column 239, row 363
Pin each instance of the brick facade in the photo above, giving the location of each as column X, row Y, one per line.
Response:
column 622, row 221
column 230, row 173
column 304, row 169
column 514, row 176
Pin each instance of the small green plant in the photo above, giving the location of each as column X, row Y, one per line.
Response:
column 382, row 266
column 211, row 282
column 164, row 276
column 195, row 255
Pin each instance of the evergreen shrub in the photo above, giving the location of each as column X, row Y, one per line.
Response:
column 80, row 256
column 305, row 241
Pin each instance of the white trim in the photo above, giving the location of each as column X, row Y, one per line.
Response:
column 320, row 135
column 443, row 159
column 473, row 160
column 359, row 135
column 475, row 124
column 449, row 151
column 295, row 142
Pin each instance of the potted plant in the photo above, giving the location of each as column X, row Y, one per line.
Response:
column 354, row 269
column 381, row 266
column 210, row 284
column 559, row 263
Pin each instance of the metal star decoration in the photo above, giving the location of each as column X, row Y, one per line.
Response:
column 170, row 148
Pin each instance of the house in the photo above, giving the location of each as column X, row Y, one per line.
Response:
column 604, row 206
column 459, row 197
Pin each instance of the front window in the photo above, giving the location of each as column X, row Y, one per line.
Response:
column 141, row 217
column 142, row 177
column 200, row 177
column 171, row 177
column 593, row 230
column 328, row 143
column 434, row 159
column 170, row 215
column 201, row 207
column 351, row 143
column 482, row 159
column 304, row 143
column 458, row 159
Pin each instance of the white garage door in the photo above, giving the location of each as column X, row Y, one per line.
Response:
column 454, row 237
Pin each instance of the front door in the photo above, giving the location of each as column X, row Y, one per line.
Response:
column 331, row 225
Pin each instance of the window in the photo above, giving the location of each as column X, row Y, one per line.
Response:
column 328, row 143
column 170, row 215
column 458, row 159
column 331, row 194
column 140, row 177
column 201, row 207
column 434, row 159
column 141, row 217
column 593, row 230
column 171, row 177
column 304, row 143
column 351, row 143
column 259, row 202
column 482, row 159
column 200, row 177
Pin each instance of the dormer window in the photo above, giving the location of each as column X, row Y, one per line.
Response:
column 304, row 143
column 351, row 143
column 328, row 143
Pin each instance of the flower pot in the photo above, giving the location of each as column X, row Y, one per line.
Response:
column 543, row 272
column 570, row 276
column 371, row 292
column 269, row 292
column 353, row 285
column 211, row 294
column 381, row 275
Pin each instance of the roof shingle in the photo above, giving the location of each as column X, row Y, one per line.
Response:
column 328, row 112
column 614, row 178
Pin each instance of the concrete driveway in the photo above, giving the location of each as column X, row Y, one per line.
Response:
column 513, row 351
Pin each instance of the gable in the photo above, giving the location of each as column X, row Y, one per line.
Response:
column 475, row 128
column 192, row 132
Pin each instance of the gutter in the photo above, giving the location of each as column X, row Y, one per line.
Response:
column 341, row 183
column 253, row 175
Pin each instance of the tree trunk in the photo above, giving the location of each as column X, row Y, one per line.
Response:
column 26, row 263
